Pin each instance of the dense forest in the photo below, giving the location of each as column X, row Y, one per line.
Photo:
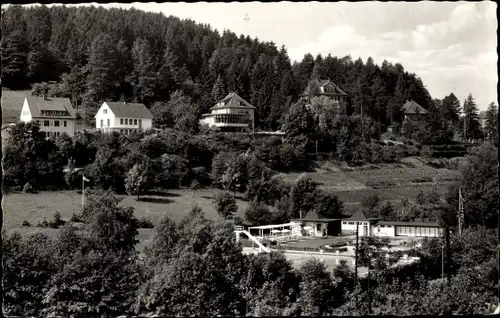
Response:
column 96, row 54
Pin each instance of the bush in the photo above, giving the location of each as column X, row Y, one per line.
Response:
column 28, row 188
column 76, row 218
column 145, row 223
column 43, row 224
column 25, row 223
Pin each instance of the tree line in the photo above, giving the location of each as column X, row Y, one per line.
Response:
column 95, row 54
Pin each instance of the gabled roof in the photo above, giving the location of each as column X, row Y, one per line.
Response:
column 37, row 104
column 233, row 100
column 134, row 110
column 323, row 83
column 359, row 215
column 411, row 107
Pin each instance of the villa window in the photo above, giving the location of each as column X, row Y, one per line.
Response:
column 135, row 122
column 126, row 121
column 46, row 123
column 318, row 227
column 102, row 122
column 108, row 122
column 65, row 124
column 105, row 111
column 121, row 121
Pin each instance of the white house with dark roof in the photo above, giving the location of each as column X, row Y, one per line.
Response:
column 54, row 115
column 329, row 89
column 232, row 113
column 123, row 117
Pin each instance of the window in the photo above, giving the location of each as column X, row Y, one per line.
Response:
column 135, row 121
column 56, row 123
column 126, row 121
column 344, row 222
column 108, row 122
column 121, row 130
column 46, row 123
column 318, row 227
column 140, row 122
column 65, row 124
column 121, row 121
column 104, row 111
column 37, row 121
column 351, row 223
column 102, row 123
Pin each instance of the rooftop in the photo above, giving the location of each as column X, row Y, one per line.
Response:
column 232, row 100
column 38, row 104
column 134, row 110
column 412, row 107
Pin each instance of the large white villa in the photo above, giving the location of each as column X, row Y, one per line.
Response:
column 232, row 113
column 123, row 117
column 54, row 115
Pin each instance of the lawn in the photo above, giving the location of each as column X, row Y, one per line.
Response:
column 34, row 207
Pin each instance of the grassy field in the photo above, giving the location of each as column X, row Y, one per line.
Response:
column 34, row 207
column 391, row 182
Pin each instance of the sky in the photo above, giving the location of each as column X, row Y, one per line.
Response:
column 451, row 46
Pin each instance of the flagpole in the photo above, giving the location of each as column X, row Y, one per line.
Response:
column 83, row 189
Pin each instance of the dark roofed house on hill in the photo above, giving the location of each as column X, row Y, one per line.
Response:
column 328, row 89
column 415, row 117
column 123, row 117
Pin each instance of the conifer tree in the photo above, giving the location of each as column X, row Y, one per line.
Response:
column 472, row 125
column 218, row 90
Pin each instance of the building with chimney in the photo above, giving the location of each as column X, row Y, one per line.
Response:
column 54, row 115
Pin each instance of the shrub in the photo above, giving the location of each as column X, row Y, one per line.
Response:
column 43, row 224
column 57, row 221
column 145, row 223
column 76, row 218
column 28, row 188
column 25, row 223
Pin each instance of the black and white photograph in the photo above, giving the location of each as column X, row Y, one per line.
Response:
column 250, row 159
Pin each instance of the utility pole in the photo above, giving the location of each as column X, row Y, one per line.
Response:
column 369, row 289
column 460, row 211
column 442, row 262
column 356, row 256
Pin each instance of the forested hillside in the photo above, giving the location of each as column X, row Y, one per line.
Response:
column 97, row 54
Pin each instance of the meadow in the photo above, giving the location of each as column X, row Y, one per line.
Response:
column 34, row 207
